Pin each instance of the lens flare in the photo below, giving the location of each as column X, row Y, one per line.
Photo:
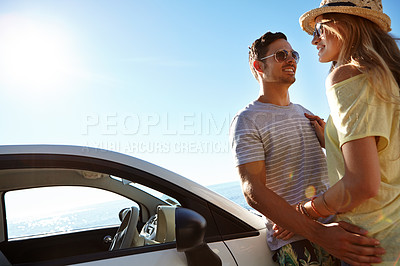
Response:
column 397, row 260
column 381, row 217
column 310, row 192
column 347, row 199
column 291, row 176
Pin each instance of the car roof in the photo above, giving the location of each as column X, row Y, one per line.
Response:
column 96, row 153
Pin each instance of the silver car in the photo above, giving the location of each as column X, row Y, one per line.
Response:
column 84, row 206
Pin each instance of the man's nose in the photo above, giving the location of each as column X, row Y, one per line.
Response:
column 290, row 58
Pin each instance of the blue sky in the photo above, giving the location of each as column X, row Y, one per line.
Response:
column 159, row 80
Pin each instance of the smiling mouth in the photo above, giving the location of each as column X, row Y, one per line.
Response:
column 289, row 70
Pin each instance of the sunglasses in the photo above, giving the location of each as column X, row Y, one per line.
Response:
column 282, row 54
column 319, row 29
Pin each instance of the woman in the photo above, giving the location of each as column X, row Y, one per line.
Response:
column 362, row 133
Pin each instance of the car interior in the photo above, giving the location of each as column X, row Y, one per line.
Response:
column 150, row 220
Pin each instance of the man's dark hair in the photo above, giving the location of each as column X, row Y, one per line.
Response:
column 260, row 46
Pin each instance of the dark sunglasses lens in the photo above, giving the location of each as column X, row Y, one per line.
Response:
column 281, row 55
column 295, row 56
column 317, row 31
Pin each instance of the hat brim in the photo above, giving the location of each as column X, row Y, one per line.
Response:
column 307, row 20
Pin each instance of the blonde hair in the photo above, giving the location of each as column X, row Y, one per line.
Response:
column 369, row 48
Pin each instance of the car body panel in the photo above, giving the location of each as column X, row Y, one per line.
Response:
column 251, row 248
column 163, row 257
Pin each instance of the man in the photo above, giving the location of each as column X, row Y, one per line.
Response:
column 281, row 163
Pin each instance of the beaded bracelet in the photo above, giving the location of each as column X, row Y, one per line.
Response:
column 315, row 209
column 304, row 211
column 300, row 208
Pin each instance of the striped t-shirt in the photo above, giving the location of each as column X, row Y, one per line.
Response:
column 284, row 138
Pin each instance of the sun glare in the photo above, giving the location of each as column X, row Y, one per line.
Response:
column 34, row 57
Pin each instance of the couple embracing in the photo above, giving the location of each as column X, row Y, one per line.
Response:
column 343, row 208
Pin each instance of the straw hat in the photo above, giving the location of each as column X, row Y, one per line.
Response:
column 369, row 9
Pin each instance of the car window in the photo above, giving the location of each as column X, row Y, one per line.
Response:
column 55, row 210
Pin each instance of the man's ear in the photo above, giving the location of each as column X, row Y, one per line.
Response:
column 258, row 66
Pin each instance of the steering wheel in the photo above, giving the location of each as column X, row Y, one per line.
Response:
column 127, row 231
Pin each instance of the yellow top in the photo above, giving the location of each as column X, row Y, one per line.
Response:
column 356, row 112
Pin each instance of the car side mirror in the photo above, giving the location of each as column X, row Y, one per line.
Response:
column 190, row 228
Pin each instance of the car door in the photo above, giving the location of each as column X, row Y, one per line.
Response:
column 220, row 224
column 54, row 224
